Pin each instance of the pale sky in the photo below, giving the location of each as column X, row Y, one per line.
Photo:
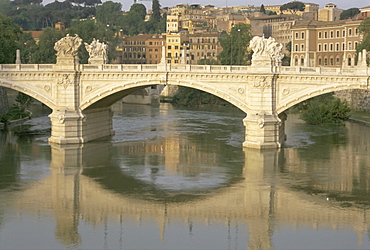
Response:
column 342, row 4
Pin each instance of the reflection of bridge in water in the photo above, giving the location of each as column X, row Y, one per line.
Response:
column 258, row 199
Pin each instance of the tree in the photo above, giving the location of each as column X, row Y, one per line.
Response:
column 262, row 9
column 234, row 46
column 325, row 109
column 156, row 8
column 9, row 37
column 45, row 52
column 28, row 47
column 293, row 7
column 109, row 13
column 348, row 14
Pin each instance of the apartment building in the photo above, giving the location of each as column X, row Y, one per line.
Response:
column 142, row 49
column 174, row 46
column 329, row 44
column 202, row 46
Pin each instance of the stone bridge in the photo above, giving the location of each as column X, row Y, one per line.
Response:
column 81, row 95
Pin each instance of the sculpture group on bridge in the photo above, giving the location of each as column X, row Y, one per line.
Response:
column 266, row 50
column 68, row 47
column 97, row 52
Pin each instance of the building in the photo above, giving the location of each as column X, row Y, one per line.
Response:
column 329, row 44
column 330, row 12
column 202, row 46
column 174, row 45
column 364, row 12
column 142, row 49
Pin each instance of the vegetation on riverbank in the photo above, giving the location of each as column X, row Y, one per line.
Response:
column 324, row 109
column 18, row 110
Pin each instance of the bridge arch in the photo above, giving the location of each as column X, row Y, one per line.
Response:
column 32, row 92
column 311, row 94
column 109, row 95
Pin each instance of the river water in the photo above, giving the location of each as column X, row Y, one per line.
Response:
column 178, row 178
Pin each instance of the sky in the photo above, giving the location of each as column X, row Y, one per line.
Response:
column 342, row 4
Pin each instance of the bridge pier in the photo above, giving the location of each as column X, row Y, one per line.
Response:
column 71, row 127
column 264, row 131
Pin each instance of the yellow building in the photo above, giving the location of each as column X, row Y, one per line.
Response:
column 174, row 45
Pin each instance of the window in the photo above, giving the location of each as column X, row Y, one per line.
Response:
column 302, row 35
column 302, row 61
column 150, row 43
column 331, row 34
column 302, row 47
column 320, row 35
column 343, row 46
column 325, row 47
column 350, row 32
column 349, row 45
column 296, row 35
column 331, row 61
column 320, row 61
column 325, row 61
column 337, row 46
column 319, row 47
column 338, row 33
column 337, row 61
column 325, row 34
column 296, row 47
column 331, row 47
column 169, row 47
column 344, row 33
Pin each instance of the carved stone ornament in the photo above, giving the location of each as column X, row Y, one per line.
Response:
column 97, row 52
column 66, row 80
column 68, row 46
column 263, row 83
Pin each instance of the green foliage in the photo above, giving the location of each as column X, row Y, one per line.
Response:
column 45, row 52
column 293, row 7
column 348, row 14
column 234, row 46
column 9, row 35
column 325, row 109
column 28, row 47
column 262, row 9
column 156, row 8
column 193, row 97
column 208, row 61
column 18, row 111
column 109, row 13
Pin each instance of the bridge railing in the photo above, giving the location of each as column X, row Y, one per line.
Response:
column 185, row 68
column 26, row 67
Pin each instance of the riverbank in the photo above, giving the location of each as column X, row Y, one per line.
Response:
column 362, row 117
